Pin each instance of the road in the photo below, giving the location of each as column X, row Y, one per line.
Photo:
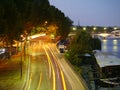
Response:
column 48, row 70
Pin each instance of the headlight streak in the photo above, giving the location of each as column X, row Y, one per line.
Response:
column 69, row 75
column 77, row 80
column 54, row 79
column 28, row 75
column 61, row 72
column 30, row 81
column 39, row 81
column 58, row 72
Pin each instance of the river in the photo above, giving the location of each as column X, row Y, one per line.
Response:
column 111, row 46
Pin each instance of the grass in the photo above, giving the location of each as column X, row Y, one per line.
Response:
column 10, row 75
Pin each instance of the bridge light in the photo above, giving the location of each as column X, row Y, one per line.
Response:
column 94, row 28
column 84, row 28
column 74, row 28
column 105, row 28
column 115, row 28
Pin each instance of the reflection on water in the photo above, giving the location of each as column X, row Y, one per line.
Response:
column 104, row 45
column 111, row 46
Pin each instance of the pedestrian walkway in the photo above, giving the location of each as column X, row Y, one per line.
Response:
column 10, row 76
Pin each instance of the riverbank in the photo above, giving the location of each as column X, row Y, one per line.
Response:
column 89, row 78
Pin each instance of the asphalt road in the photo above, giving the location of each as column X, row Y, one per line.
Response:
column 73, row 81
column 48, row 70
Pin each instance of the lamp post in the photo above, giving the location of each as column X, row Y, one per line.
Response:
column 74, row 28
column 105, row 29
column 115, row 28
column 94, row 28
column 84, row 28
column 93, row 32
column 21, row 56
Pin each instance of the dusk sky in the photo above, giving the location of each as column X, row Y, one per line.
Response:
column 90, row 12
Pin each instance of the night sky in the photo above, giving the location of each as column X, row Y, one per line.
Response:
column 90, row 12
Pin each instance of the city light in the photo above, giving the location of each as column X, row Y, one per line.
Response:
column 105, row 28
column 94, row 28
column 84, row 28
column 115, row 28
column 74, row 28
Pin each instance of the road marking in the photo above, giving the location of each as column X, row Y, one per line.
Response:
column 61, row 72
column 28, row 75
column 29, row 84
column 39, row 81
column 49, row 70
column 53, row 71
column 27, row 87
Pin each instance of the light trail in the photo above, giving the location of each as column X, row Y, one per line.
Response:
column 61, row 72
column 28, row 75
column 37, row 35
column 49, row 60
column 58, row 70
column 39, row 81
column 27, row 87
column 76, row 83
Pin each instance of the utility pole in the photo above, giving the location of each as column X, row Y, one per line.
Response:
column 21, row 57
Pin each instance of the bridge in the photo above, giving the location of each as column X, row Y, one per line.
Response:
column 113, row 34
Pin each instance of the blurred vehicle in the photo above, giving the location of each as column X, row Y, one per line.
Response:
column 61, row 48
column 62, row 45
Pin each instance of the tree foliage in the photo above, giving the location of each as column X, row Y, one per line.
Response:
column 82, row 44
column 19, row 16
column 61, row 21
column 9, row 21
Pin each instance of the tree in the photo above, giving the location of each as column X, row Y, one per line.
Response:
column 20, row 16
column 10, row 20
column 79, row 46
column 96, row 44
column 81, row 42
column 62, row 22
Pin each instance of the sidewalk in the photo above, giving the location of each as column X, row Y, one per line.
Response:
column 10, row 73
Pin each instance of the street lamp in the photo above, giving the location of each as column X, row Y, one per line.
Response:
column 46, row 22
column 21, row 37
column 74, row 28
column 115, row 28
column 84, row 28
column 93, row 32
column 105, row 29
column 94, row 28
